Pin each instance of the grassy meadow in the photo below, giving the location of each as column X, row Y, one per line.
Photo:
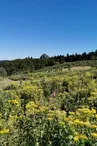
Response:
column 54, row 106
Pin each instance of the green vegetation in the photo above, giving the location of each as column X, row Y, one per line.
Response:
column 30, row 65
column 54, row 106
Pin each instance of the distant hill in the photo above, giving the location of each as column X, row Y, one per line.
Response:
column 44, row 56
column 3, row 61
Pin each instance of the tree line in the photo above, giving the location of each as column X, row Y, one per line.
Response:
column 30, row 64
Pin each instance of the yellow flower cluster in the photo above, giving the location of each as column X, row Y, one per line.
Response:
column 72, row 113
column 43, row 108
column 13, row 102
column 87, row 111
column 61, row 123
column 93, row 111
column 50, row 119
column 76, row 138
column 66, row 119
column 96, row 116
column 15, row 117
column 78, row 122
column 89, row 125
column 60, row 114
column 80, row 137
column 31, row 105
column 94, row 135
column 50, row 114
column 5, row 131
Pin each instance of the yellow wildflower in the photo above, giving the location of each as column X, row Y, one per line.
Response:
column 61, row 123
column 83, row 137
column 50, row 115
column 66, row 119
column 76, row 138
column 13, row 102
column 93, row 111
column 80, row 137
column 5, row 131
column 84, row 111
column 96, row 116
column 94, row 126
column 31, row 105
column 43, row 108
column 79, row 123
column 50, row 119
column 72, row 113
column 94, row 135
column 88, row 124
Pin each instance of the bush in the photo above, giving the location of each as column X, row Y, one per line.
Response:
column 3, row 72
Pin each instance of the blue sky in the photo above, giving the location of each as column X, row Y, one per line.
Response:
column 54, row 27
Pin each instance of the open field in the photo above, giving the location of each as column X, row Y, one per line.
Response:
column 6, row 81
column 81, row 68
column 54, row 107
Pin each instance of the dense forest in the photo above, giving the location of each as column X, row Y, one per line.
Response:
column 30, row 64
